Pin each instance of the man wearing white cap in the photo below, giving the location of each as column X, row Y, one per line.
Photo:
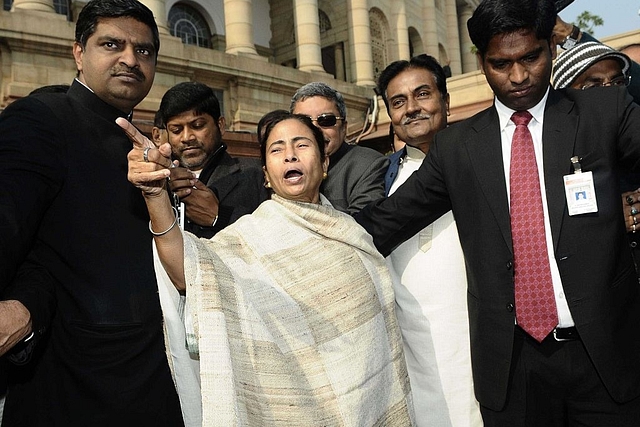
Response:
column 593, row 64
column 569, row 37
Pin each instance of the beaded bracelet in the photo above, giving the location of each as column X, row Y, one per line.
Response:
column 162, row 233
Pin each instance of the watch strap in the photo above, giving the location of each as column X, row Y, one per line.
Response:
column 571, row 39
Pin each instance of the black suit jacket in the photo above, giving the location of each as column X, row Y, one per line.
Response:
column 63, row 168
column 239, row 186
column 355, row 178
column 463, row 171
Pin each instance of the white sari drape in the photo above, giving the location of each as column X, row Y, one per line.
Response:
column 291, row 311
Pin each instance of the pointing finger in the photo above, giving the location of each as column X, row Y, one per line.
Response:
column 135, row 136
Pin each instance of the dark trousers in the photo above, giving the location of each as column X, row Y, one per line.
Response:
column 554, row 384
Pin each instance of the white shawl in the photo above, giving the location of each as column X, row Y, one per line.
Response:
column 292, row 312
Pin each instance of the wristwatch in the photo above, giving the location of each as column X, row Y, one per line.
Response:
column 571, row 39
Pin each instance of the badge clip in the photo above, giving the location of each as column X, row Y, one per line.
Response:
column 575, row 162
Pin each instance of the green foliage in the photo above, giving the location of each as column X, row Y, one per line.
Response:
column 587, row 22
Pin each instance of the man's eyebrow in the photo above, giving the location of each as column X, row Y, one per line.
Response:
column 421, row 87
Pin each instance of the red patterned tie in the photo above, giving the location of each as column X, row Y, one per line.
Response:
column 535, row 302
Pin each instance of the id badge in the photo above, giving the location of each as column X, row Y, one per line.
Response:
column 580, row 193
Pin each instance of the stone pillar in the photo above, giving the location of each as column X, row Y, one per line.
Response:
column 307, row 27
column 41, row 5
column 453, row 37
column 238, row 18
column 360, row 43
column 399, row 16
column 430, row 27
column 339, row 58
column 159, row 10
column 469, row 62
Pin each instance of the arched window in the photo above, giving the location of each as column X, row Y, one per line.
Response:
column 188, row 24
column 379, row 31
column 415, row 43
column 325, row 23
column 62, row 7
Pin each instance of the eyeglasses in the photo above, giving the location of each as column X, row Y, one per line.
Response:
column 326, row 120
column 618, row 81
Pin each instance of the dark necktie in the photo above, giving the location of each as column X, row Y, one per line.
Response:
column 536, row 311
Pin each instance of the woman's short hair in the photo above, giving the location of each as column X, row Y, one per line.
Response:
column 271, row 119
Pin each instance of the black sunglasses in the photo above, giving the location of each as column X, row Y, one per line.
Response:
column 326, row 120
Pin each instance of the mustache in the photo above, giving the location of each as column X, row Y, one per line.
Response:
column 127, row 70
column 415, row 117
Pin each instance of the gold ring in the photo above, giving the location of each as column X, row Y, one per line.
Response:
column 635, row 220
column 630, row 200
column 634, row 228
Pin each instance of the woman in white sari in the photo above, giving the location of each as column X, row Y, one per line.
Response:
column 291, row 308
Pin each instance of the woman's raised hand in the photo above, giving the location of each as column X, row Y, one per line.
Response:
column 148, row 166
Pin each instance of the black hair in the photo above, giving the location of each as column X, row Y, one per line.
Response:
column 157, row 120
column 494, row 17
column 188, row 96
column 271, row 119
column 424, row 61
column 93, row 11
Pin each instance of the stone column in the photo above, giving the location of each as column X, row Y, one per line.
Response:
column 430, row 28
column 339, row 58
column 41, row 5
column 399, row 16
column 453, row 37
column 307, row 27
column 159, row 10
column 238, row 18
column 360, row 43
column 469, row 62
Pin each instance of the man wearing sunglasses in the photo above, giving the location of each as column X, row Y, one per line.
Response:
column 356, row 174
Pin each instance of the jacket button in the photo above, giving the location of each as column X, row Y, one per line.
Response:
column 509, row 265
column 510, row 307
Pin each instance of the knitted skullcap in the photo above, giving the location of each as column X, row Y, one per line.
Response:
column 573, row 62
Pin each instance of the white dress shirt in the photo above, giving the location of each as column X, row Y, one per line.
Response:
column 507, row 128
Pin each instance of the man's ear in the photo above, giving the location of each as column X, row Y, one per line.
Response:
column 222, row 123
column 480, row 62
column 553, row 47
column 78, row 51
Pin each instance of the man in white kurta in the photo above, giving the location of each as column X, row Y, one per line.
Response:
column 430, row 282
column 431, row 295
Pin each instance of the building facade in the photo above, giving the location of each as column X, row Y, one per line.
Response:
column 256, row 53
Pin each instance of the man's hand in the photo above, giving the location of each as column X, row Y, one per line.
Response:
column 631, row 207
column 15, row 324
column 201, row 204
column 561, row 31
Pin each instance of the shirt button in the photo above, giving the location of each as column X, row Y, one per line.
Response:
column 509, row 265
column 510, row 307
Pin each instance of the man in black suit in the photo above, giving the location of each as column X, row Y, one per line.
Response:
column 68, row 210
column 216, row 189
column 582, row 366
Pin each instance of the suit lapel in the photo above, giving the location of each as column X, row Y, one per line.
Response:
column 558, row 140
column 485, row 154
column 225, row 176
